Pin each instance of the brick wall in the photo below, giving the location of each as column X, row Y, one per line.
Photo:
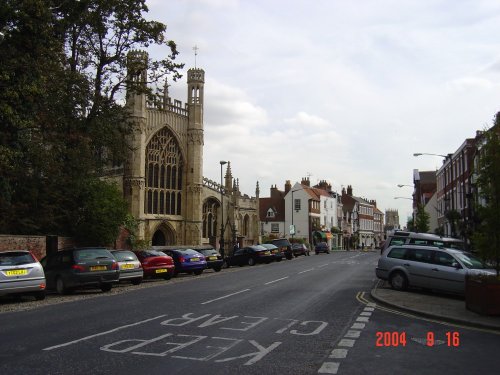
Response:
column 36, row 244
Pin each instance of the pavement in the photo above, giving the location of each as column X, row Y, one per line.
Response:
column 441, row 307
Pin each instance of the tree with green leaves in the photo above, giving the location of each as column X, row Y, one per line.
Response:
column 62, row 88
column 486, row 239
column 422, row 219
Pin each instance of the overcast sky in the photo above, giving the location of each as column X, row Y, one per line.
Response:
column 340, row 90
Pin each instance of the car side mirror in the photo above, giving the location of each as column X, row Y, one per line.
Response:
column 456, row 265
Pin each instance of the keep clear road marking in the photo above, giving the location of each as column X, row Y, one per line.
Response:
column 226, row 296
column 274, row 281
column 104, row 333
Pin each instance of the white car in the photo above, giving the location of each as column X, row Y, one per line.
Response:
column 21, row 273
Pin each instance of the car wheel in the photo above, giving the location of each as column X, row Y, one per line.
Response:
column 225, row 264
column 198, row 272
column 398, row 281
column 217, row 269
column 317, row 252
column 137, row 281
column 168, row 276
column 60, row 286
column 40, row 295
column 106, row 287
column 251, row 262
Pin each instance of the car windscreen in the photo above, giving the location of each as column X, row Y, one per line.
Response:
column 189, row 252
column 469, row 260
column 281, row 242
column 91, row 254
column 208, row 252
column 16, row 258
column 152, row 253
column 269, row 246
column 124, row 256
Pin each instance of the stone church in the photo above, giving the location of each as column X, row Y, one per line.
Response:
column 163, row 181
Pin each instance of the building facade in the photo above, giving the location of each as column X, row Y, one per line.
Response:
column 162, row 179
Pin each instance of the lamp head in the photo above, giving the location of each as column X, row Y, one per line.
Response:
column 222, row 162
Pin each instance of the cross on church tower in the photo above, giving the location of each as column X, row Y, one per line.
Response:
column 195, row 49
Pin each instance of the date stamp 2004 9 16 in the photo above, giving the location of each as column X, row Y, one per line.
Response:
column 393, row 339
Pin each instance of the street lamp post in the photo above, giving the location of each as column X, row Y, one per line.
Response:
column 401, row 185
column 221, row 248
column 425, row 153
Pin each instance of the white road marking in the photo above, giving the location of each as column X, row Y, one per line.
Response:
column 274, row 281
column 358, row 325
column 338, row 353
column 226, row 296
column 323, row 265
column 347, row 342
column 352, row 334
column 329, row 368
column 103, row 333
column 369, row 309
column 310, row 269
column 366, row 313
column 362, row 319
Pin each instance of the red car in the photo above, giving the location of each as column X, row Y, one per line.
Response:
column 156, row 263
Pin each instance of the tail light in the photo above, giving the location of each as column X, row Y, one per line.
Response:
column 78, row 268
column 42, row 286
column 115, row 266
column 181, row 259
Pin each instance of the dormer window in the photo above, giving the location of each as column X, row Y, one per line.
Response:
column 270, row 213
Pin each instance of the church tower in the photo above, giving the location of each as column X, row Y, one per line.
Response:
column 134, row 169
column 194, row 157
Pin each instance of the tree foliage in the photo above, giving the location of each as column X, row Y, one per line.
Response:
column 62, row 89
column 487, row 236
column 422, row 219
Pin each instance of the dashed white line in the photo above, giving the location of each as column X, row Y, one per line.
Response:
column 362, row 319
column 323, row 265
column 226, row 296
column 274, row 281
column 353, row 334
column 338, row 353
column 329, row 368
column 347, row 342
column 358, row 325
column 309, row 270
column 365, row 313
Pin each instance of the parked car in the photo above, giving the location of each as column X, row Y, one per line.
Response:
column 284, row 245
column 21, row 273
column 130, row 266
column 402, row 237
column 70, row 269
column 156, row 263
column 213, row 258
column 321, row 247
column 299, row 249
column 251, row 255
column 428, row 267
column 187, row 261
column 275, row 251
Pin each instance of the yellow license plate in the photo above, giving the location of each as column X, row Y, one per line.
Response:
column 16, row 272
column 98, row 268
column 267, row 253
column 161, row 270
column 195, row 259
column 212, row 258
column 127, row 266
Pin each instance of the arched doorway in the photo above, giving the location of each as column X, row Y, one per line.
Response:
column 158, row 239
column 163, row 236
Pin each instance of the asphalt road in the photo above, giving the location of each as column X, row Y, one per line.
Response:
column 305, row 316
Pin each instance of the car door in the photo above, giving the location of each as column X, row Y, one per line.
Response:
column 239, row 257
column 419, row 265
column 447, row 274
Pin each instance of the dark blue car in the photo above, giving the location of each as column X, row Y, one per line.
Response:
column 187, row 261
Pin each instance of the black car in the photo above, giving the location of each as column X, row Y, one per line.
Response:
column 275, row 250
column 284, row 246
column 74, row 268
column 300, row 249
column 213, row 258
column 321, row 247
column 250, row 255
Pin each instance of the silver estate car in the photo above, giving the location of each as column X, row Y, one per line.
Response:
column 428, row 267
column 21, row 273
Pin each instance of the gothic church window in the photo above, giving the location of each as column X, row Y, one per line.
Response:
column 163, row 175
column 210, row 212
